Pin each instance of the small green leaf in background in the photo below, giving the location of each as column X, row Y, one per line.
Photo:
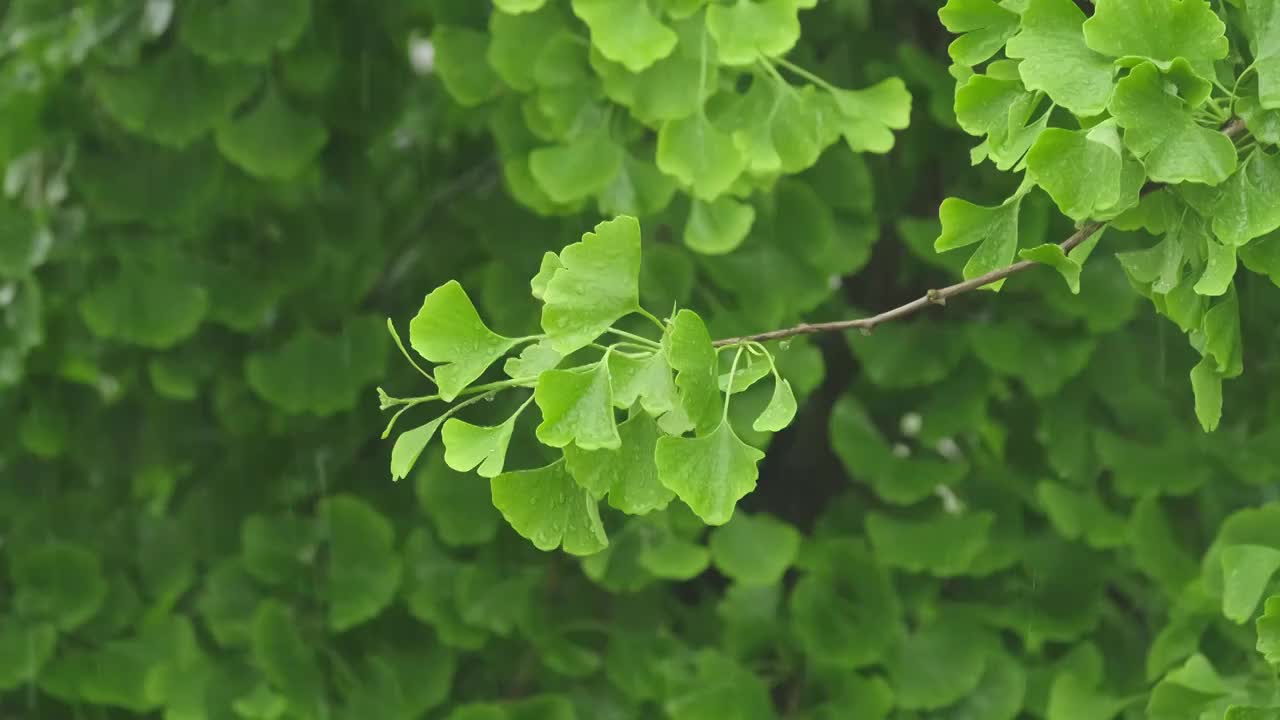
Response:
column 448, row 330
column 598, row 283
column 284, row 658
column 944, row 546
column 458, row 504
column 745, row 31
column 719, row 226
column 709, row 473
column 1206, row 385
column 579, row 168
column 754, row 549
column 701, row 156
column 937, row 665
column 626, row 32
column 1246, row 572
column 1056, row 60
column 364, row 568
column 577, row 408
column 272, row 140
column 550, row 509
column 56, row 582
column 24, row 648
column 457, row 58
column 143, row 307
column 243, row 30
column 870, row 115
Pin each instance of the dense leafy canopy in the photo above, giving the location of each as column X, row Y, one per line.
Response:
column 1038, row 502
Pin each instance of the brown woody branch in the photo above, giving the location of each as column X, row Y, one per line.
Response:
column 1233, row 129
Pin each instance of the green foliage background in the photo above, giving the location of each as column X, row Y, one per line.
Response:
column 1003, row 509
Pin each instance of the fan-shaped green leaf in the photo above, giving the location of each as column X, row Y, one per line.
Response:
column 701, row 156
column 719, row 226
column 626, row 32
column 598, row 283
column 577, row 407
column 983, row 25
column 364, row 568
column 1158, row 30
column 709, row 473
column 1056, row 59
column 628, row 474
column 56, row 582
column 995, row 228
column 754, row 549
column 1246, row 572
column 448, row 330
column 470, row 447
column 272, row 140
column 746, row 31
column 152, row 309
column 321, row 374
column 548, row 508
column 243, row 30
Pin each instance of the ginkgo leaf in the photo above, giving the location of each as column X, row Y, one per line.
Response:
column 1056, row 59
column 709, row 473
column 780, row 411
column 478, row 447
column 944, row 546
column 598, row 283
column 1246, row 208
column 628, row 474
column 672, row 558
column 995, row 228
column 1160, row 31
column 320, row 373
column 693, row 357
column 283, row 657
column 173, row 98
column 1219, row 269
column 579, row 168
column 517, row 38
column 550, row 509
column 532, row 361
column 25, row 647
column 719, row 226
column 1160, row 130
column 243, row 30
column 626, row 32
column 699, row 155
column 998, row 106
column 754, row 549
column 1067, row 264
column 449, row 331
column 870, row 115
column 409, row 446
column 1206, row 385
column 546, row 270
column 745, row 31
column 57, row 582
column 637, row 189
column 1269, row 631
column 784, row 128
column 647, row 380
column 364, row 568
column 1081, row 170
column 272, row 140
column 983, row 26
column 1264, row 40
column 459, row 54
column 937, row 664
column 577, row 407
column 152, row 309
column 1246, row 572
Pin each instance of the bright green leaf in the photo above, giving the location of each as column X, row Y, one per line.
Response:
column 983, row 25
column 1056, row 60
column 448, row 330
column 699, row 155
column 628, row 474
column 709, row 473
column 577, row 408
column 626, row 32
column 1246, row 572
column 579, row 168
column 693, row 358
column 1158, row 30
column 780, row 411
column 474, row 447
column 748, row 30
column 1246, row 208
column 550, row 509
column 719, row 226
column 598, row 283
column 870, row 115
column 995, row 228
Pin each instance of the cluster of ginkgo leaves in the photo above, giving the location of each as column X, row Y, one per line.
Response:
column 651, row 103
column 582, row 372
column 1135, row 115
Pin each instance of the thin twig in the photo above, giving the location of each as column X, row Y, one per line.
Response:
column 1232, row 129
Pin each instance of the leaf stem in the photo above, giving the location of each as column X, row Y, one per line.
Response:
column 1232, row 129
column 638, row 338
column 654, row 319
column 400, row 344
column 806, row 74
column 728, row 392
